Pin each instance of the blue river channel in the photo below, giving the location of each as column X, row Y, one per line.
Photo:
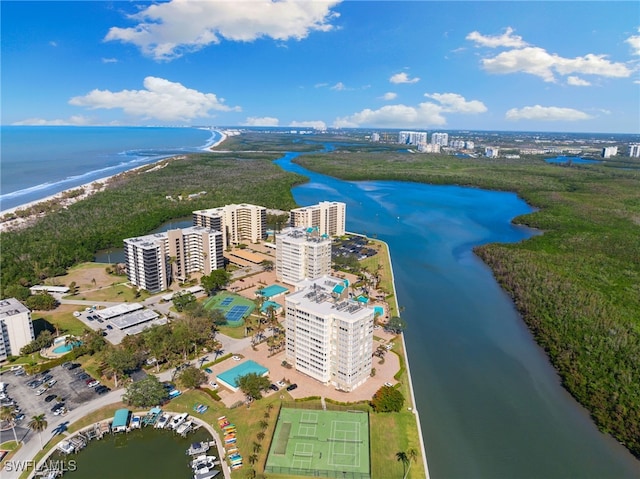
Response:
column 491, row 406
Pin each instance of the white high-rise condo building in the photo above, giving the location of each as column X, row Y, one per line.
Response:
column 634, row 150
column 609, row 151
column 491, row 152
column 153, row 261
column 239, row 223
column 328, row 216
column 441, row 139
column 412, row 137
column 329, row 337
column 302, row 253
column 16, row 328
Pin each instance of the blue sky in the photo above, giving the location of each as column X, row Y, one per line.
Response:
column 528, row 66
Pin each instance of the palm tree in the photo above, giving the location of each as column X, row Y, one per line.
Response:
column 253, row 458
column 260, row 436
column 38, row 424
column 250, row 474
column 269, row 407
column 263, row 424
column 9, row 415
column 401, row 456
column 412, row 456
column 257, row 447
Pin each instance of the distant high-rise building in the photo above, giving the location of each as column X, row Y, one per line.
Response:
column 491, row 152
column 302, row 253
column 239, row 223
column 153, row 261
column 329, row 217
column 428, row 148
column 412, row 137
column 634, row 150
column 441, row 139
column 375, row 137
column 457, row 144
column 329, row 337
column 469, row 145
column 609, row 151
column 16, row 328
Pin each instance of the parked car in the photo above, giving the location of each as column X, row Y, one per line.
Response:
column 291, row 387
column 109, row 327
column 93, row 383
column 51, row 382
column 50, row 398
column 274, row 387
column 47, row 377
column 57, row 406
column 102, row 389
column 208, row 371
column 213, row 384
column 281, row 384
column 40, row 391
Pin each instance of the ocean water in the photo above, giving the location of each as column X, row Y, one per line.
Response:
column 39, row 161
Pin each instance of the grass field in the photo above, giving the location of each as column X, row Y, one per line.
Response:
column 316, row 442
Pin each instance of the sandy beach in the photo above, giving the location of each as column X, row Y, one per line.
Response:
column 89, row 189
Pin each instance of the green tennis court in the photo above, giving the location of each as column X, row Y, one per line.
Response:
column 318, row 443
column 234, row 307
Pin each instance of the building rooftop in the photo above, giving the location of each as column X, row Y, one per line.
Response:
column 10, row 307
column 119, row 310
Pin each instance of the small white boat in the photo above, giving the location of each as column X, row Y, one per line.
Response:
column 206, row 475
column 184, row 427
column 202, row 459
column 203, row 465
column 198, row 448
column 136, row 422
column 178, row 420
column 163, row 421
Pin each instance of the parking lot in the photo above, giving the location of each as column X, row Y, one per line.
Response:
column 38, row 394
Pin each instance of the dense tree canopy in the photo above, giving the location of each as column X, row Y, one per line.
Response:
column 252, row 385
column 192, row 377
column 387, row 399
column 145, row 393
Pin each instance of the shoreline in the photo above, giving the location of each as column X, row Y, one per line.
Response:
column 414, row 409
column 89, row 188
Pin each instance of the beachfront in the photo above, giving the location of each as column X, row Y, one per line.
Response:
column 9, row 221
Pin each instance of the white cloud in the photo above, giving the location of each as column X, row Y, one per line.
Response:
column 403, row 78
column 546, row 113
column 261, row 121
column 423, row 115
column 109, row 60
column 339, row 86
column 504, row 40
column 161, row 100
column 455, row 103
column 389, row 96
column 318, row 125
column 537, row 61
column 577, row 81
column 168, row 30
column 634, row 41
column 75, row 120
column 320, row 85
column 53, row 43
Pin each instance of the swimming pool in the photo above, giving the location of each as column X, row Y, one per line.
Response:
column 65, row 348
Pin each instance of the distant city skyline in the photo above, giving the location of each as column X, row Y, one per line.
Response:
column 496, row 66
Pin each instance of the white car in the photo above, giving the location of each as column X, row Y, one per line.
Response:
column 213, row 384
column 40, row 391
column 16, row 368
column 76, row 314
column 93, row 383
column 389, row 385
column 236, row 358
column 280, row 384
column 52, row 382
